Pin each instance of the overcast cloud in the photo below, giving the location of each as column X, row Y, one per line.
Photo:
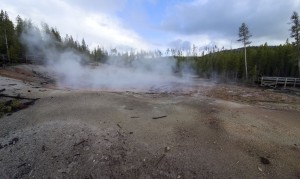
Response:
column 150, row 24
column 220, row 19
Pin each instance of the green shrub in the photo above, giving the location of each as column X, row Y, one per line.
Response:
column 15, row 104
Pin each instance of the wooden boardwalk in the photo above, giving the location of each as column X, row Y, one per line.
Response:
column 279, row 81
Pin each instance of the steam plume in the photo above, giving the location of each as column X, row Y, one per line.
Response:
column 70, row 68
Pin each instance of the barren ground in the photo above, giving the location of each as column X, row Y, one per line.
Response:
column 205, row 131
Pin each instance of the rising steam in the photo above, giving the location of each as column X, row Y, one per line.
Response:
column 72, row 70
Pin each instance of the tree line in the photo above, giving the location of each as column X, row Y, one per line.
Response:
column 13, row 49
column 282, row 60
column 237, row 64
column 263, row 60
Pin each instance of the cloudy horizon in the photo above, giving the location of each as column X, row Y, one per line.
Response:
column 155, row 24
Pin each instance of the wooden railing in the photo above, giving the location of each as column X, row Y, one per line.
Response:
column 279, row 81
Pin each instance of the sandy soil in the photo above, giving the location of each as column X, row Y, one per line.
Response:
column 211, row 131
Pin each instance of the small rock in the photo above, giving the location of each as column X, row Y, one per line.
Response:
column 130, row 132
column 13, row 141
column 29, row 91
column 259, row 169
column 167, row 149
column 43, row 148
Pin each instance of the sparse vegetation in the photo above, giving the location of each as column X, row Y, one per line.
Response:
column 4, row 108
column 12, row 105
column 15, row 104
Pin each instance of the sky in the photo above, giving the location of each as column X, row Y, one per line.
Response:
column 160, row 24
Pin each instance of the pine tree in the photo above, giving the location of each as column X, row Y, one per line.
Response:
column 295, row 29
column 295, row 33
column 20, row 49
column 7, row 35
column 56, row 35
column 244, row 36
column 83, row 47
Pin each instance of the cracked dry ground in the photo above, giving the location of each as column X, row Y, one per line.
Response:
column 90, row 134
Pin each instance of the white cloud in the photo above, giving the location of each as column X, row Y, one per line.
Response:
column 137, row 24
column 70, row 18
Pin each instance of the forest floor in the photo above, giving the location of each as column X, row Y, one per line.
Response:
column 206, row 131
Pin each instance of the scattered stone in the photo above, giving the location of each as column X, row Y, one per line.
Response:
column 29, row 91
column 130, row 132
column 167, row 149
column 13, row 141
column 259, row 169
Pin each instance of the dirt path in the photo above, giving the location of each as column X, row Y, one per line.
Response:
column 89, row 134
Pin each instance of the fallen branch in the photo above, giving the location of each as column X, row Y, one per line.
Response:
column 134, row 117
column 119, row 126
column 158, row 117
column 81, row 142
column 18, row 97
column 23, row 164
column 160, row 159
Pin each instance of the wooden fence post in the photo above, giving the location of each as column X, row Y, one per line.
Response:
column 285, row 83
